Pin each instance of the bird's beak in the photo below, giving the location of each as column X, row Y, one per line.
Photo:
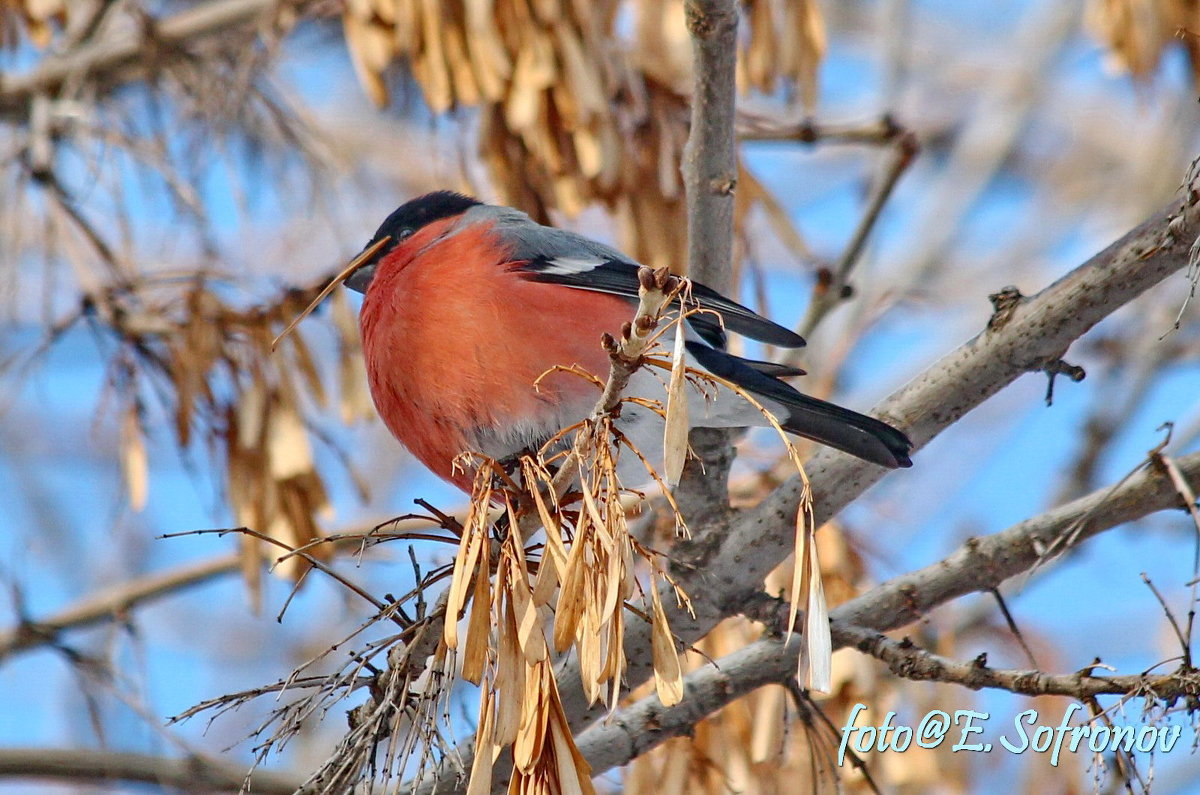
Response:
column 358, row 274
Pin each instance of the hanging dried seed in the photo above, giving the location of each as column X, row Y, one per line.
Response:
column 134, row 464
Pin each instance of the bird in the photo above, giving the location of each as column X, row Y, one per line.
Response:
column 469, row 307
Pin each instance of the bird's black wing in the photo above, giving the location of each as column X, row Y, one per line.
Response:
column 560, row 256
column 619, row 277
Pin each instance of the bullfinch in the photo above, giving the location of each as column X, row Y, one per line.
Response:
column 469, row 307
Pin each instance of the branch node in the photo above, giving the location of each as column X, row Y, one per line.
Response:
column 1004, row 304
column 1054, row 367
column 723, row 186
column 704, row 21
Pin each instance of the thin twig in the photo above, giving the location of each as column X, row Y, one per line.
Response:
column 1012, row 626
column 907, row 660
column 1183, row 641
column 756, row 127
column 805, row 702
column 833, row 285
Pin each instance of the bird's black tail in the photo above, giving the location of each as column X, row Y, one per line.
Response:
column 857, row 434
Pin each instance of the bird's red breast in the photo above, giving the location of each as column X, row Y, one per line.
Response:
column 454, row 343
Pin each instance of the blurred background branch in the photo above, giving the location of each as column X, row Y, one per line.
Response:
column 93, row 767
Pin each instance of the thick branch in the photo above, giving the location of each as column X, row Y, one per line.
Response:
column 710, row 159
column 983, row 564
column 979, row 565
column 710, row 177
column 191, row 774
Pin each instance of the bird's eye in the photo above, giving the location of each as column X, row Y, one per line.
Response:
column 404, row 234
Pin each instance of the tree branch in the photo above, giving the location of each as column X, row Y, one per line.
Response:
column 710, row 157
column 906, row 660
column 106, row 57
column 710, row 172
column 115, row 602
column 190, row 774
column 833, row 285
column 757, row 127
column 107, row 603
column 725, row 563
column 978, row 565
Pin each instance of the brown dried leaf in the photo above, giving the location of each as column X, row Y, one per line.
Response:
column 1135, row 31
column 767, row 731
column 493, row 67
column 529, row 627
column 533, row 73
column 466, row 88
column 429, row 64
column 251, row 569
column 581, row 76
column 587, row 649
column 468, row 555
column 574, row 775
column 668, row 675
column 662, row 47
column 614, row 582
column 759, row 62
column 134, row 465
column 803, row 38
column 288, row 450
column 571, row 595
column 406, row 31
column 385, row 10
column 675, row 432
column 531, row 736
column 363, row 45
column 511, row 670
column 308, row 370
column 252, row 414
column 478, row 628
column 481, row 767
column 816, row 665
column 587, row 152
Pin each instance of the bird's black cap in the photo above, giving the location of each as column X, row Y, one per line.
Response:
column 405, row 220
